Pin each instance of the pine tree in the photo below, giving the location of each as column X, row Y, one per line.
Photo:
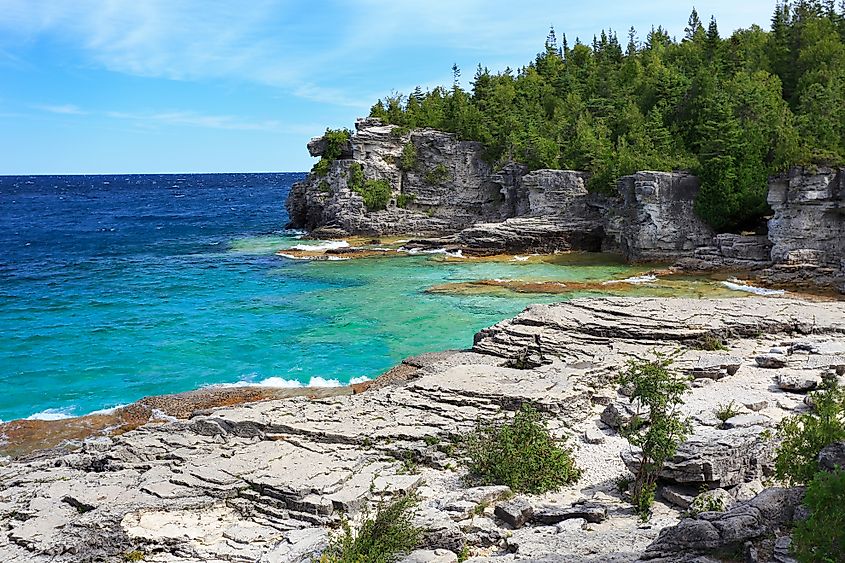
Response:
column 694, row 26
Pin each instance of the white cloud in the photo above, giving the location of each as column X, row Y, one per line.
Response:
column 308, row 48
column 64, row 109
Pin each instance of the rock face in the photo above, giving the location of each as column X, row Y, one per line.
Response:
column 807, row 230
column 270, row 481
column 656, row 221
column 450, row 189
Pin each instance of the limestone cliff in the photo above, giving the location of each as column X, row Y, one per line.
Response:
column 444, row 186
column 807, row 230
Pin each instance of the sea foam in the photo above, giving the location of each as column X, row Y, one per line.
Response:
column 327, row 245
column 738, row 285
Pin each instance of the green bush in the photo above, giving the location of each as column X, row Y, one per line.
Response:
column 804, row 435
column 437, row 175
column 408, row 161
column 336, row 140
column 520, row 453
column 658, row 428
column 821, row 537
column 403, row 200
column 382, row 538
column 321, row 168
column 376, row 194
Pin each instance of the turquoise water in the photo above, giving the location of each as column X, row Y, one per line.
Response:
column 114, row 288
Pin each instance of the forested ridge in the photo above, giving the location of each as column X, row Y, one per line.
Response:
column 733, row 110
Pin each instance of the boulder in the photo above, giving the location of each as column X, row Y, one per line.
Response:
column 712, row 532
column 771, row 361
column 592, row 512
column 832, row 456
column 798, row 381
column 515, row 512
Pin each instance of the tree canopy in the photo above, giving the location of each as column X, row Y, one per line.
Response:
column 732, row 109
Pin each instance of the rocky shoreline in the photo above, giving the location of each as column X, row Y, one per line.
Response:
column 449, row 197
column 267, row 481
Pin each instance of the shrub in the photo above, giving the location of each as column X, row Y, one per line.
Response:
column 321, row 168
column 399, row 131
column 725, row 412
column 520, row 453
column 437, row 175
column 710, row 343
column 382, row 538
column 325, row 187
column 821, row 537
column 804, row 435
column 403, row 200
column 408, row 160
column 658, row 428
column 376, row 194
column 336, row 140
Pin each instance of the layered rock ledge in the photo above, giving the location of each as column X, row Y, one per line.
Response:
column 267, row 481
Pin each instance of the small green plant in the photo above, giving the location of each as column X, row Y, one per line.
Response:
column 403, row 200
column 408, row 160
column 804, row 435
column 520, row 453
column 707, row 503
column 623, row 483
column 821, row 537
column 325, row 187
column 134, row 555
column 355, row 177
column 430, row 440
column 464, row 554
column 726, row 412
column 399, row 131
column 437, row 175
column 409, row 465
column 382, row 538
column 658, row 427
column 710, row 343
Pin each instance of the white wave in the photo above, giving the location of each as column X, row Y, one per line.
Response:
column 521, row 258
column 109, row 410
column 738, row 285
column 282, row 383
column 52, row 414
column 336, row 258
column 327, row 245
column 456, row 254
column 647, row 278
column 292, row 257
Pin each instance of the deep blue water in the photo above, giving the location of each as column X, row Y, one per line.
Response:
column 117, row 287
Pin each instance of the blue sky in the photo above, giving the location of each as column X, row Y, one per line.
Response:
column 119, row 86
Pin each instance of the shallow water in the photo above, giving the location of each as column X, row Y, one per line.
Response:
column 117, row 287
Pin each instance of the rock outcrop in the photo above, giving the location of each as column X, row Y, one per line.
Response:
column 807, row 230
column 442, row 186
column 656, row 220
column 268, row 481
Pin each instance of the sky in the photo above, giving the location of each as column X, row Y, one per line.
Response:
column 158, row 86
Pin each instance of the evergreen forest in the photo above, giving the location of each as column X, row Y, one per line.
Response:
column 733, row 109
